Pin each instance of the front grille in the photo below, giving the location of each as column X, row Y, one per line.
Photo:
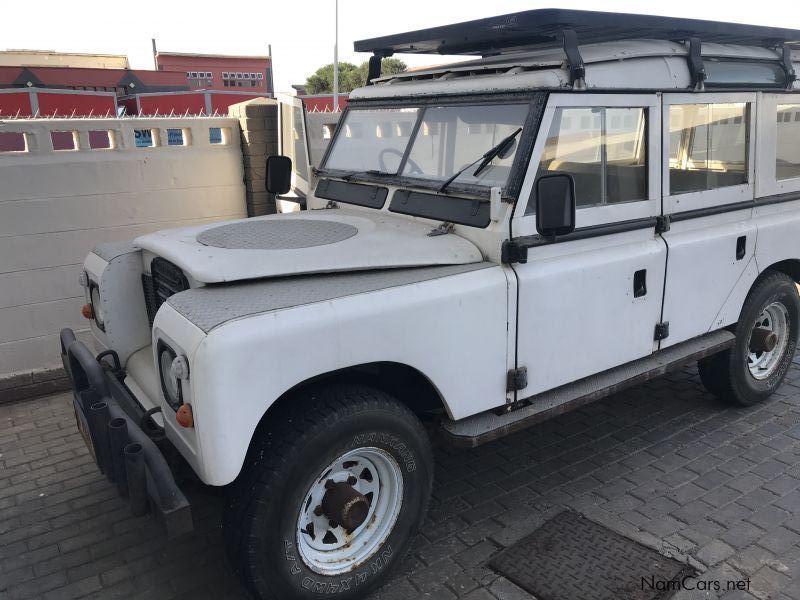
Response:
column 165, row 279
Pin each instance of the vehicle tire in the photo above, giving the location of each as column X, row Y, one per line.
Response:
column 745, row 374
column 279, row 519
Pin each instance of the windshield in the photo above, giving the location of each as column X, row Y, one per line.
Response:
column 445, row 140
column 372, row 140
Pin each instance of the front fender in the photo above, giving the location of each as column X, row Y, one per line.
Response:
column 453, row 330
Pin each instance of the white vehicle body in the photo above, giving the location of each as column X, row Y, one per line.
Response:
column 262, row 317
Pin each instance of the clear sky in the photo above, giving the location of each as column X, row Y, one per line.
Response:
column 301, row 31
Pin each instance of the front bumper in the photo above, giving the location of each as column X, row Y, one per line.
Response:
column 110, row 420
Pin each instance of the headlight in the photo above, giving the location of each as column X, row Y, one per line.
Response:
column 97, row 307
column 170, row 385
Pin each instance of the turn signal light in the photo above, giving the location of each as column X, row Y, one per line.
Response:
column 87, row 311
column 184, row 416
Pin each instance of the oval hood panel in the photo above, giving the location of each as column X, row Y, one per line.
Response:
column 306, row 242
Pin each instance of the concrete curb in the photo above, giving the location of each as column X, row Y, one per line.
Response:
column 32, row 384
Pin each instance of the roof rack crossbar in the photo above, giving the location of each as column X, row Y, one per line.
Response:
column 577, row 70
column 696, row 66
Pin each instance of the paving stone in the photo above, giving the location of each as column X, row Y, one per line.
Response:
column 714, row 552
column 662, row 463
column 741, row 534
column 779, row 540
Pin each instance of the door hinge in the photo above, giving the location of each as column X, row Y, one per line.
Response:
column 442, row 229
column 662, row 331
column 513, row 252
column 517, row 379
column 662, row 224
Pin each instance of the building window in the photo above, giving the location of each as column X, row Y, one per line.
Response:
column 261, row 76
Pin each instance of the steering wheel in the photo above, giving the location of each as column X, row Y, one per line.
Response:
column 394, row 151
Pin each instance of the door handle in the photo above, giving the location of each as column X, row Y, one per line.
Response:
column 640, row 283
column 741, row 247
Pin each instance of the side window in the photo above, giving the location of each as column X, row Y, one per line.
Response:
column 787, row 158
column 708, row 146
column 605, row 151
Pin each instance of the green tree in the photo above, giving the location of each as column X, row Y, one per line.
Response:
column 350, row 76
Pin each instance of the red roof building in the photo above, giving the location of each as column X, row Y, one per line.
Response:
column 120, row 81
column 219, row 72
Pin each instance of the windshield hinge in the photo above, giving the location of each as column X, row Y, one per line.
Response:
column 517, row 379
column 662, row 223
column 513, row 252
column 331, row 204
column 662, row 331
column 443, row 229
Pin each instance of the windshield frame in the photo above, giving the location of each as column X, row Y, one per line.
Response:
column 510, row 191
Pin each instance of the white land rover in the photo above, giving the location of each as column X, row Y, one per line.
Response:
column 488, row 244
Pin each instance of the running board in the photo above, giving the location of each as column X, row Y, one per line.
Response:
column 487, row 426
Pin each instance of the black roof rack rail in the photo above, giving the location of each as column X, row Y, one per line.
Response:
column 544, row 28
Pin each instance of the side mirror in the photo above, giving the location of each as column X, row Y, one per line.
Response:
column 279, row 174
column 555, row 204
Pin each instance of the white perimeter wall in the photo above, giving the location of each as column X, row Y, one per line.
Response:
column 56, row 205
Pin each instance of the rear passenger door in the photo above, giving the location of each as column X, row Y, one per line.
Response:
column 591, row 300
column 708, row 175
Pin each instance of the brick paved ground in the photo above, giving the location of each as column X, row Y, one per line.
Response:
column 663, row 463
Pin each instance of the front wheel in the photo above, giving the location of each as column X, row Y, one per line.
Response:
column 334, row 491
column 766, row 340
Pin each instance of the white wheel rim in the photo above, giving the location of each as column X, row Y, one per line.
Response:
column 774, row 318
column 331, row 550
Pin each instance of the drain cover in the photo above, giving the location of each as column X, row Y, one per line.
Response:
column 573, row 558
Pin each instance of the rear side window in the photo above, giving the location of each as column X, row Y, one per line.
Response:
column 708, row 146
column 788, row 142
column 605, row 151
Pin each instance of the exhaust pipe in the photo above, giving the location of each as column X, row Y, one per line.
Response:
column 137, row 483
column 100, row 418
column 118, row 436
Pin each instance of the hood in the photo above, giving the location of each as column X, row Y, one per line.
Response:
column 323, row 241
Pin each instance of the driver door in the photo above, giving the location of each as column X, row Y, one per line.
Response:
column 591, row 300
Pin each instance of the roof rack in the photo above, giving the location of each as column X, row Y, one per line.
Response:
column 543, row 28
column 552, row 28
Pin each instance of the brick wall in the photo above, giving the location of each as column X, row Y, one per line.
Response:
column 258, row 124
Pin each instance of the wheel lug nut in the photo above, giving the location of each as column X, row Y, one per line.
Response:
column 352, row 480
column 329, row 484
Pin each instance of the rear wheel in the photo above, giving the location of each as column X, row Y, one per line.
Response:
column 766, row 340
column 331, row 496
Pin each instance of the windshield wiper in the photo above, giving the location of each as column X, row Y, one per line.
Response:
column 487, row 157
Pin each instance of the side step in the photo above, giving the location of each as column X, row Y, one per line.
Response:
column 487, row 426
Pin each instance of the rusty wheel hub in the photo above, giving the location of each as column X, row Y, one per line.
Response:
column 342, row 504
column 349, row 511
